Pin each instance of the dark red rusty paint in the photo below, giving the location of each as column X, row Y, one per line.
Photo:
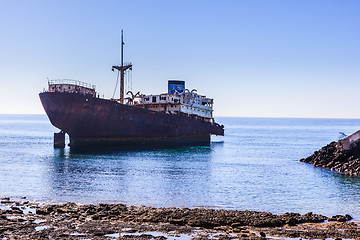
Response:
column 95, row 121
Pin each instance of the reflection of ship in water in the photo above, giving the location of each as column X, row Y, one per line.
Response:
column 179, row 116
column 142, row 177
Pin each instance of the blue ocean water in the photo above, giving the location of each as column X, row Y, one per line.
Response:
column 254, row 166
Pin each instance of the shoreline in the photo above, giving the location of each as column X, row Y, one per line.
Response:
column 33, row 220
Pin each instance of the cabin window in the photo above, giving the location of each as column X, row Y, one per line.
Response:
column 154, row 99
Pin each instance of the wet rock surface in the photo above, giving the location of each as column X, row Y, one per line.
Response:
column 336, row 158
column 31, row 220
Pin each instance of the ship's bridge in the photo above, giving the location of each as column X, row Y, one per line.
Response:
column 188, row 104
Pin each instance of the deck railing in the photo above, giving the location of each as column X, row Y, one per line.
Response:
column 72, row 82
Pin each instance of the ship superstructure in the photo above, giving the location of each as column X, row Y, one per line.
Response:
column 71, row 86
column 178, row 101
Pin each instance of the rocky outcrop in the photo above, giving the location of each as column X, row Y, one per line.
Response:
column 342, row 156
column 26, row 220
column 197, row 217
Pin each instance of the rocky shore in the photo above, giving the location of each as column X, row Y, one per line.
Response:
column 22, row 219
column 342, row 156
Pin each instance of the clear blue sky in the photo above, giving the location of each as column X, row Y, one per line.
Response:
column 256, row 58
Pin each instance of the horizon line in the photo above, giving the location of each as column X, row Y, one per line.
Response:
column 355, row 118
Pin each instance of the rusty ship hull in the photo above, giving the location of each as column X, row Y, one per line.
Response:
column 91, row 121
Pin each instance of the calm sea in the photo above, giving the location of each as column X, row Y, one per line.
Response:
column 254, row 166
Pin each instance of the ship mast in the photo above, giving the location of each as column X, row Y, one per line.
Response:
column 122, row 69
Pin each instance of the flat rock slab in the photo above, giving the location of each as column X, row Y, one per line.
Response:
column 109, row 221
